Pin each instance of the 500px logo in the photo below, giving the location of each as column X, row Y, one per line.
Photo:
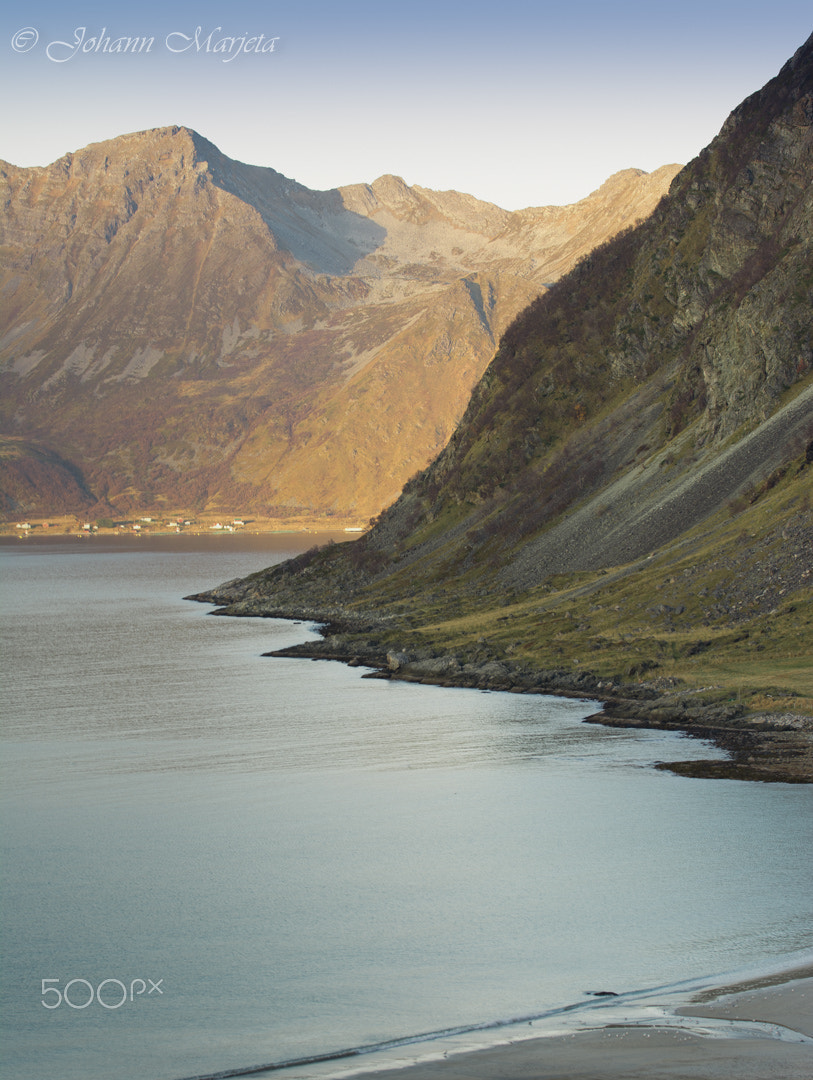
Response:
column 114, row 996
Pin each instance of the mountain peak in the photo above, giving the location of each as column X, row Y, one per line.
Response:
column 150, row 271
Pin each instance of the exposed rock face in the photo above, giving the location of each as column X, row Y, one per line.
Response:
column 732, row 258
column 615, row 392
column 186, row 329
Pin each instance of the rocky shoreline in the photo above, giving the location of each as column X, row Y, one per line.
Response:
column 773, row 747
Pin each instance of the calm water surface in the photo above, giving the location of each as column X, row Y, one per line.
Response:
column 302, row 860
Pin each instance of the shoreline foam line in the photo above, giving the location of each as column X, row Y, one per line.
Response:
column 719, row 984
column 392, row 1044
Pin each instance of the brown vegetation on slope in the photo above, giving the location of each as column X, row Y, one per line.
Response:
column 187, row 329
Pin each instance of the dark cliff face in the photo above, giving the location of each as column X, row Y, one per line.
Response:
column 712, row 294
column 679, row 333
column 663, row 377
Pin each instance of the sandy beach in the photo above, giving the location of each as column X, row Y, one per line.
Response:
column 759, row 1030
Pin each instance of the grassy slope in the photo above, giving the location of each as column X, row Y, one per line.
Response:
column 726, row 605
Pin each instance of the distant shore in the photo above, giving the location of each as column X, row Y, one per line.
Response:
column 760, row 1029
column 181, row 523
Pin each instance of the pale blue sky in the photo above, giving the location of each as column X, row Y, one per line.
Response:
column 520, row 103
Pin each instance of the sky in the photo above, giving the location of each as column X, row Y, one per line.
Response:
column 520, row 103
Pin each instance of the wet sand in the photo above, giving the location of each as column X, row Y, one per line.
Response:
column 762, row 1030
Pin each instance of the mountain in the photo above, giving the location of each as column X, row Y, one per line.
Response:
column 625, row 508
column 183, row 330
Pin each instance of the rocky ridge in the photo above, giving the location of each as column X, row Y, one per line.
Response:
column 281, row 349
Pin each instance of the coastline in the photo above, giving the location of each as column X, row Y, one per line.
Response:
column 749, row 1029
column 770, row 747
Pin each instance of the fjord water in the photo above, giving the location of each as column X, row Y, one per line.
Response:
column 293, row 860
